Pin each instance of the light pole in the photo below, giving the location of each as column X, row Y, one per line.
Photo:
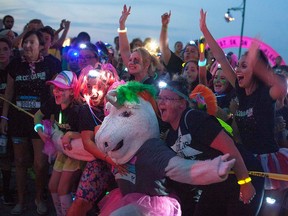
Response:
column 229, row 18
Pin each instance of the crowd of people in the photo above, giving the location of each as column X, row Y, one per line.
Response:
column 41, row 80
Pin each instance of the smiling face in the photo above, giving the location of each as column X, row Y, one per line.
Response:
column 190, row 72
column 135, row 64
column 243, row 73
column 220, row 83
column 96, row 90
column 170, row 106
column 62, row 97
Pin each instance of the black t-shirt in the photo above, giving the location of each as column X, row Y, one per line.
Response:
column 255, row 119
column 195, row 133
column 70, row 115
column 174, row 66
column 30, row 89
column 89, row 120
column 147, row 170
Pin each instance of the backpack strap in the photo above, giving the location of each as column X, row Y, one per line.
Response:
column 185, row 117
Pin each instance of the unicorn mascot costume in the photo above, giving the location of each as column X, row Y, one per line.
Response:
column 129, row 135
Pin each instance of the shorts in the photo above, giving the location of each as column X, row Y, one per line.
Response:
column 65, row 163
column 21, row 125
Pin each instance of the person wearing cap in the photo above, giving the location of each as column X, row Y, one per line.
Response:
column 26, row 88
column 65, row 110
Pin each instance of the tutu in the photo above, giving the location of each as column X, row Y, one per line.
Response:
column 139, row 204
column 275, row 163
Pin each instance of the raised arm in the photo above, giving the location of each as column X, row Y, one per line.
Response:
column 65, row 24
column 217, row 51
column 123, row 39
column 277, row 84
column 163, row 40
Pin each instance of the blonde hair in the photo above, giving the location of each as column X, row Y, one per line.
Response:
column 148, row 59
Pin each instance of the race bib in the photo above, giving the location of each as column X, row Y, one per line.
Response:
column 28, row 102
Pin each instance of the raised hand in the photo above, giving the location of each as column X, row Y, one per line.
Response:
column 202, row 21
column 165, row 18
column 252, row 56
column 125, row 14
column 65, row 23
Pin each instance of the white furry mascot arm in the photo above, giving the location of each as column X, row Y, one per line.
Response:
column 199, row 172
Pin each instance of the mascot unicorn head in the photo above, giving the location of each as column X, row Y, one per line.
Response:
column 121, row 135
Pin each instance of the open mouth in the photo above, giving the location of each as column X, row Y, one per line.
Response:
column 162, row 111
column 118, row 146
column 240, row 78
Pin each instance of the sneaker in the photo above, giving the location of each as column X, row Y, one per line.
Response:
column 8, row 200
column 41, row 208
column 17, row 210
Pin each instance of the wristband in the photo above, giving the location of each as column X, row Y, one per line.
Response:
column 244, row 181
column 202, row 63
column 4, row 117
column 122, row 30
column 201, row 47
column 38, row 126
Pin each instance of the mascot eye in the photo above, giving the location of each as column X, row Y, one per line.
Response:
column 126, row 114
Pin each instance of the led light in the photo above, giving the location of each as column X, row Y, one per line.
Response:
column 162, row 84
column 201, row 47
column 192, row 42
column 270, row 200
column 82, row 46
column 94, row 73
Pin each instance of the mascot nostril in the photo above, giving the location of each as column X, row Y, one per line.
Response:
column 133, row 133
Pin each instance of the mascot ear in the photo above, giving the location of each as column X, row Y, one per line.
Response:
column 111, row 97
column 108, row 106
